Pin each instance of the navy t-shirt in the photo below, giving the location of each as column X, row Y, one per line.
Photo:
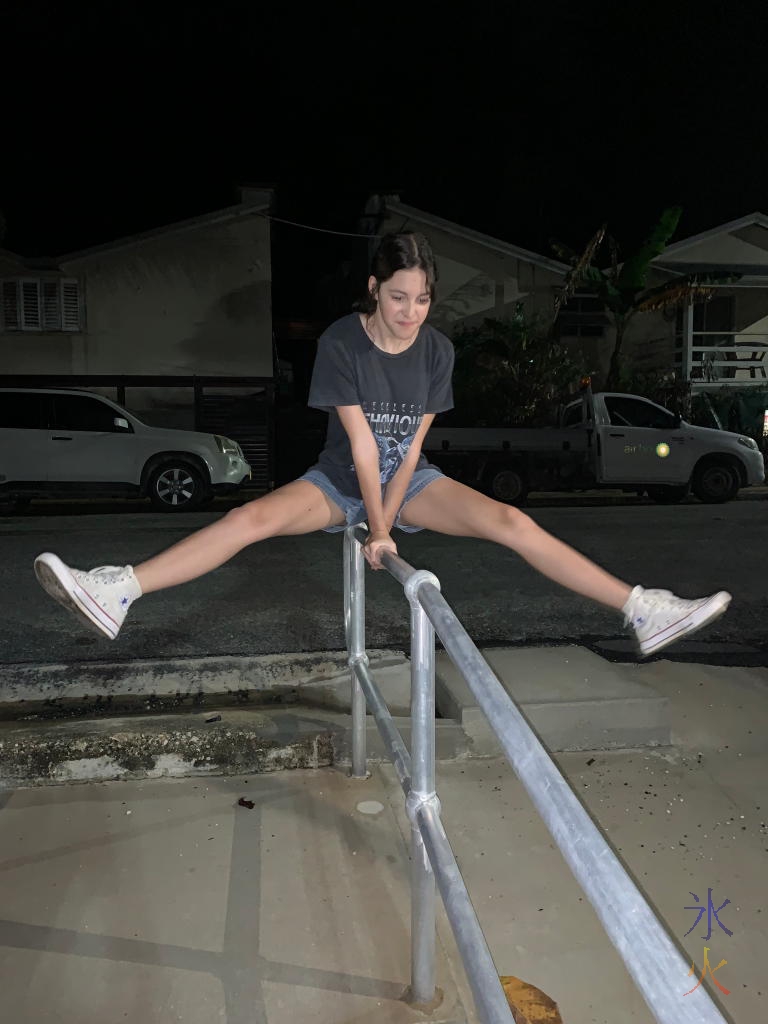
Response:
column 394, row 392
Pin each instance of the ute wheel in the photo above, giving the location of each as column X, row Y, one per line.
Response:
column 507, row 484
column 715, row 483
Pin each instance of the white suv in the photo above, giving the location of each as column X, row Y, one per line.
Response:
column 57, row 442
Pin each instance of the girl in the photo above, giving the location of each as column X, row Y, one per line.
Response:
column 382, row 375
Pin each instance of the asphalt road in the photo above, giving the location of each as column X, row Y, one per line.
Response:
column 285, row 595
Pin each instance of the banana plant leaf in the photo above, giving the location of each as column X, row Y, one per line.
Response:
column 609, row 293
column 634, row 273
column 680, row 291
column 614, row 251
column 586, row 258
column 582, row 269
column 563, row 251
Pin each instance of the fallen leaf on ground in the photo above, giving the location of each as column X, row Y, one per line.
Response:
column 529, row 1004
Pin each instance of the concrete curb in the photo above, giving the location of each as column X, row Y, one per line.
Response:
column 152, row 748
column 229, row 715
column 319, row 678
column 226, row 742
column 571, row 697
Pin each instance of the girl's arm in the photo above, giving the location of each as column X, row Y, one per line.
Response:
column 365, row 455
column 398, row 485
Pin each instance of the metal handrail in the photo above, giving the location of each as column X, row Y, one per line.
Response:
column 757, row 343
column 649, row 953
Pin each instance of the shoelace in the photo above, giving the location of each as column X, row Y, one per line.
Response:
column 661, row 601
column 94, row 577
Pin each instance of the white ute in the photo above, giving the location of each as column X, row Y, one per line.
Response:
column 604, row 440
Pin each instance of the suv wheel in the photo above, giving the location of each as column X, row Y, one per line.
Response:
column 176, row 487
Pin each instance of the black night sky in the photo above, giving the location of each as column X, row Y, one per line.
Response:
column 524, row 120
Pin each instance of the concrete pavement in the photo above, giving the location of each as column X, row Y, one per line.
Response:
column 159, row 900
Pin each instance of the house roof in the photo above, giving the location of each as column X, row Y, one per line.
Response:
column 11, row 262
column 741, row 238
column 477, row 237
column 13, row 265
column 255, row 204
column 760, row 219
column 745, row 269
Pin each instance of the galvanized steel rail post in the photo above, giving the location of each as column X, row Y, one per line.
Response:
column 354, row 626
column 422, row 791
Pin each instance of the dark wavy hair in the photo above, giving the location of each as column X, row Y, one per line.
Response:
column 400, row 252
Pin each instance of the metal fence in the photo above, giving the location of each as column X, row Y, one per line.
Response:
column 651, row 956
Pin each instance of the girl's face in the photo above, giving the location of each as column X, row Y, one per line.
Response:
column 403, row 302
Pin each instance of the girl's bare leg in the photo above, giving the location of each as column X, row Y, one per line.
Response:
column 452, row 508
column 297, row 508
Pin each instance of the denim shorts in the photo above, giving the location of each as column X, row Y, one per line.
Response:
column 354, row 509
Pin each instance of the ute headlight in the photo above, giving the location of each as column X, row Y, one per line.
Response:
column 749, row 442
column 226, row 446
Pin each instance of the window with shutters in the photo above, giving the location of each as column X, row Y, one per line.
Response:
column 41, row 304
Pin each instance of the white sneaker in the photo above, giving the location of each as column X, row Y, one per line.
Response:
column 99, row 598
column 658, row 618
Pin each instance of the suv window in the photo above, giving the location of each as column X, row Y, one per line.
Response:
column 77, row 412
column 23, row 410
column 630, row 412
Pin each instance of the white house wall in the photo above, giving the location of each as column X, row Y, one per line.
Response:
column 759, row 327
column 192, row 302
column 649, row 343
column 28, row 352
column 473, row 301
column 461, row 291
column 751, row 310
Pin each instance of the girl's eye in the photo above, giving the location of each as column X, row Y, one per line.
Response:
column 424, row 301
